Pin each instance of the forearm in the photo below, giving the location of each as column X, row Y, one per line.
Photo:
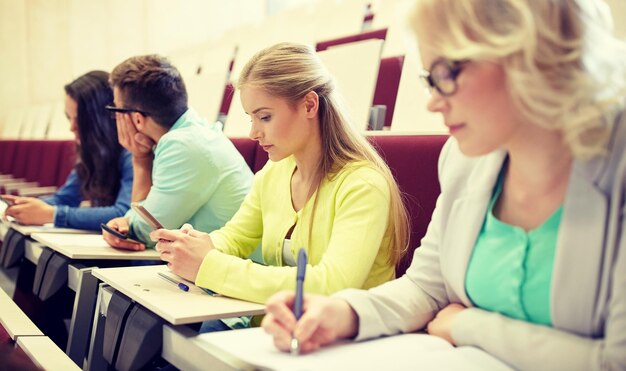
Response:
column 528, row 346
column 142, row 178
column 394, row 307
column 87, row 217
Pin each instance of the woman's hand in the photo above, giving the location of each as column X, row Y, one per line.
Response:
column 121, row 225
column 183, row 250
column 324, row 320
column 441, row 325
column 29, row 210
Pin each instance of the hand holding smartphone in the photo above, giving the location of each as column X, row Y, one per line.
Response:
column 145, row 215
column 114, row 232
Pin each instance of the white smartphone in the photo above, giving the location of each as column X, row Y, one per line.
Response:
column 145, row 215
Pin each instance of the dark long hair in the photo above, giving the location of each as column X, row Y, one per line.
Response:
column 98, row 151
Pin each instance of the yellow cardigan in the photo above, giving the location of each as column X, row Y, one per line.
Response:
column 349, row 247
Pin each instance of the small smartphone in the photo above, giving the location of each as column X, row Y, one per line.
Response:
column 142, row 212
column 116, row 233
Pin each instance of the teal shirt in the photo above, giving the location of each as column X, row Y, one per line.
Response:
column 510, row 270
column 198, row 177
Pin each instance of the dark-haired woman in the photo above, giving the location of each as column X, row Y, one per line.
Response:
column 103, row 174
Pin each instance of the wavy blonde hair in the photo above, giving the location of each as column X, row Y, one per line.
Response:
column 565, row 70
column 290, row 71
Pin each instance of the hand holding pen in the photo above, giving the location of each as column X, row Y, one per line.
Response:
column 306, row 322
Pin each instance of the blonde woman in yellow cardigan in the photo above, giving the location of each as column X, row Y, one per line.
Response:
column 325, row 190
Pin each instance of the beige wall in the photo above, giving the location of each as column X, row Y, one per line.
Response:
column 46, row 43
column 618, row 10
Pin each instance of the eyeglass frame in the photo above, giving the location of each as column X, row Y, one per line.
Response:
column 113, row 109
column 455, row 67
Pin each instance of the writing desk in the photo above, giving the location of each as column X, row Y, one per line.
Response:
column 253, row 349
column 27, row 230
column 89, row 246
column 83, row 252
column 46, row 354
column 143, row 286
column 14, row 320
column 17, row 241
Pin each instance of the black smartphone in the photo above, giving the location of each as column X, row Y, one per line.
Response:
column 145, row 215
column 117, row 234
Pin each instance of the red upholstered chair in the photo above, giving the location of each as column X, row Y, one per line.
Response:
column 50, row 162
column 7, row 155
column 260, row 159
column 387, row 85
column 229, row 91
column 26, row 155
column 67, row 160
column 247, row 147
column 413, row 161
column 23, row 152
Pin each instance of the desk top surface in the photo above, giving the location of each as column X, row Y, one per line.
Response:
column 46, row 353
column 89, row 246
column 27, row 230
column 14, row 321
column 146, row 287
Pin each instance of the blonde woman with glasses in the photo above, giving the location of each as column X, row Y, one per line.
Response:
column 525, row 255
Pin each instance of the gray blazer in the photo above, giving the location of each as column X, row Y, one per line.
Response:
column 588, row 296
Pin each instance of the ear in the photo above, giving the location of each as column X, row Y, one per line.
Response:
column 139, row 120
column 311, row 104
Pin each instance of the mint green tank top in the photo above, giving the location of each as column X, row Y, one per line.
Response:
column 510, row 270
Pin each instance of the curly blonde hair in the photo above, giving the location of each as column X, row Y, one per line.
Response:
column 564, row 68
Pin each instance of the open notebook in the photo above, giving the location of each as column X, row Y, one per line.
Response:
column 254, row 349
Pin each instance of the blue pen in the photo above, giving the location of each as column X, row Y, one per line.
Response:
column 180, row 285
column 297, row 306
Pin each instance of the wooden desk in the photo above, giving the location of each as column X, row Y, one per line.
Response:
column 27, row 230
column 14, row 320
column 85, row 250
column 146, row 287
column 46, row 354
column 89, row 246
column 253, row 349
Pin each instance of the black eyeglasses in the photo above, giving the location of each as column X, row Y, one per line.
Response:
column 442, row 76
column 113, row 110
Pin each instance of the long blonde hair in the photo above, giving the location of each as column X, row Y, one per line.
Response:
column 290, row 71
column 564, row 68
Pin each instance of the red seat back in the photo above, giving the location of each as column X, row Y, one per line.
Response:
column 387, row 85
column 7, row 155
column 413, row 161
column 67, row 160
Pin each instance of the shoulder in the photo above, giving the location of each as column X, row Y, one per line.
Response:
column 187, row 143
column 607, row 168
column 359, row 175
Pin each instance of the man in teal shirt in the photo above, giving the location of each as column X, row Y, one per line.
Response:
column 185, row 170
